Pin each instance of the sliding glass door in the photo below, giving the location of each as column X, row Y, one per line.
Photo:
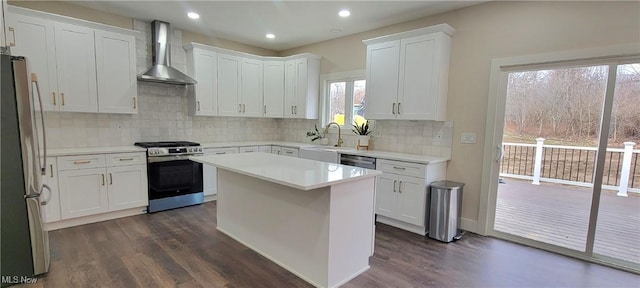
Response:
column 569, row 172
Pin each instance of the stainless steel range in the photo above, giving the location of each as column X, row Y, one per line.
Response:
column 174, row 180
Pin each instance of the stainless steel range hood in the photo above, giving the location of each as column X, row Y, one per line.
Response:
column 161, row 71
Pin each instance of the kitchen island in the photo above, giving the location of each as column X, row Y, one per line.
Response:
column 315, row 219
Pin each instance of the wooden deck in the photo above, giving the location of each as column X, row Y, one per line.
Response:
column 559, row 214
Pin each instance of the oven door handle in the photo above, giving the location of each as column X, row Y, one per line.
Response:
column 170, row 158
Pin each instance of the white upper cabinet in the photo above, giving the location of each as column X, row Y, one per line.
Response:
column 76, row 65
column 202, row 65
column 273, row 94
column 382, row 79
column 407, row 74
column 251, row 90
column 116, row 72
column 34, row 38
column 302, row 84
column 252, row 86
column 229, row 85
column 80, row 67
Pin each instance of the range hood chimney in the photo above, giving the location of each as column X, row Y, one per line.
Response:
column 161, row 70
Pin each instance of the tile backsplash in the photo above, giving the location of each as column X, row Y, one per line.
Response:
column 163, row 115
column 414, row 137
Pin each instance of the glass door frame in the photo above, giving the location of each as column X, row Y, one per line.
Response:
column 611, row 56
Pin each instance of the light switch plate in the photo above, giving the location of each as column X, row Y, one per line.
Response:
column 468, row 138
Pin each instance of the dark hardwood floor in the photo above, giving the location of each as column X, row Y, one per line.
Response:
column 181, row 248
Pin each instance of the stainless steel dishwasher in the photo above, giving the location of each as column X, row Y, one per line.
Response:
column 358, row 161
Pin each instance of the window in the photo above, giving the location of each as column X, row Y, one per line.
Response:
column 344, row 99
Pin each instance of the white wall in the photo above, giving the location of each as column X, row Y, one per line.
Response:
column 495, row 29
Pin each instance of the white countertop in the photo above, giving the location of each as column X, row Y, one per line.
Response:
column 298, row 173
column 94, row 150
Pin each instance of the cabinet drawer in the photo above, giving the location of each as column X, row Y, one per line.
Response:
column 247, row 149
column 126, row 159
column 292, row 152
column 219, row 151
column 402, row 168
column 81, row 162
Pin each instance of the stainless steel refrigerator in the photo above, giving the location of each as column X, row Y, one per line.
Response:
column 24, row 245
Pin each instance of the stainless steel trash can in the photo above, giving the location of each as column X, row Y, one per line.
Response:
column 446, row 206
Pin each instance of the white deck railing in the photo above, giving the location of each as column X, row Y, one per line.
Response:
column 533, row 162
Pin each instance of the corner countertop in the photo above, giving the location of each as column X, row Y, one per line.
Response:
column 93, row 150
column 297, row 173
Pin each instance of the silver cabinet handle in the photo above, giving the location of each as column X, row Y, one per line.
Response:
column 400, row 187
column 295, row 108
column 110, row 179
column 51, row 170
column 126, row 159
column 244, row 108
column 239, row 108
column 398, row 108
column 134, row 103
column 220, row 153
column 394, row 185
column 393, row 109
column 102, row 179
column 198, row 104
column 265, row 109
column 291, row 109
column 399, row 168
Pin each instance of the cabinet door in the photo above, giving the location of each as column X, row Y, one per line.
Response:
column 386, row 195
column 229, row 85
column 51, row 211
column 301, row 88
column 290, row 82
column 34, row 39
column 382, row 79
column 204, row 66
column 412, row 200
column 417, row 93
column 116, row 71
column 265, row 149
column 127, row 187
column 210, row 173
column 76, row 66
column 251, row 88
column 273, row 89
column 276, row 150
column 83, row 192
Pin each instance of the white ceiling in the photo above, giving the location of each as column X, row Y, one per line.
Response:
column 295, row 23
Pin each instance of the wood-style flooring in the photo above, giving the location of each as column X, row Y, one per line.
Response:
column 182, row 248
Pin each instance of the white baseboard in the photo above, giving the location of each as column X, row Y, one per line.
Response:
column 469, row 225
column 209, row 198
column 94, row 218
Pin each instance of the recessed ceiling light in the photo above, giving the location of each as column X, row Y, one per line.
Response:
column 270, row 36
column 335, row 30
column 193, row 15
column 344, row 13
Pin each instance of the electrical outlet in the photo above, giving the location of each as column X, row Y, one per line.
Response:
column 437, row 135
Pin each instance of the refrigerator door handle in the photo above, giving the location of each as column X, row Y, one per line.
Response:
column 44, row 202
column 43, row 168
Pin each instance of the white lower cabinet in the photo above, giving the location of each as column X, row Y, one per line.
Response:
column 83, row 192
column 401, row 193
column 209, row 173
column 276, row 150
column 94, row 184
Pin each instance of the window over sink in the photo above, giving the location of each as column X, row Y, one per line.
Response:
column 344, row 97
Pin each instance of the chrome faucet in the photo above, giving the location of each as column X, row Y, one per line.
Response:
column 326, row 130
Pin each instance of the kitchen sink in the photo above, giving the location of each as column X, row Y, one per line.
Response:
column 326, row 154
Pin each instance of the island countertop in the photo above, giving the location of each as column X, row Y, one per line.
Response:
column 297, row 173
